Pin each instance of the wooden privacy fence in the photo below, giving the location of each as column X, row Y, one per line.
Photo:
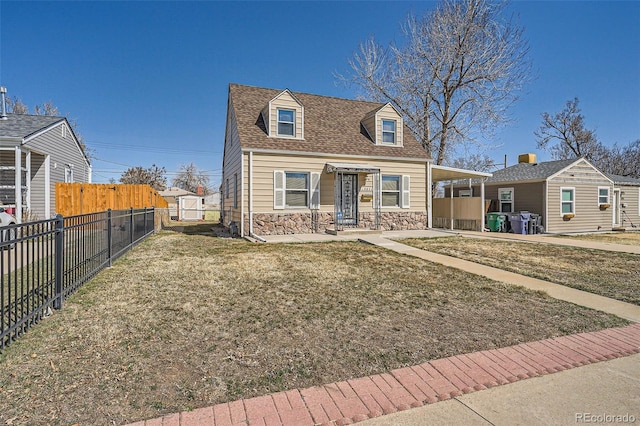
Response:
column 82, row 198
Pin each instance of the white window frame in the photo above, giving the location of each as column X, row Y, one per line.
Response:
column 235, row 191
column 465, row 193
column 403, row 191
column 638, row 201
column 398, row 191
column 512, row 202
column 68, row 174
column 573, row 201
column 600, row 202
column 307, row 189
column 227, row 193
column 394, row 132
column 292, row 123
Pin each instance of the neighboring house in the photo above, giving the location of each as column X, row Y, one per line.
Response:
column 301, row 163
column 570, row 195
column 625, row 201
column 36, row 152
column 172, row 195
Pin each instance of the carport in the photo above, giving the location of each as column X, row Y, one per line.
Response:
column 472, row 205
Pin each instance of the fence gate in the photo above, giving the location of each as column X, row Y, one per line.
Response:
column 190, row 208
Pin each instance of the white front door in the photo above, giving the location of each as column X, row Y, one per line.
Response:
column 615, row 208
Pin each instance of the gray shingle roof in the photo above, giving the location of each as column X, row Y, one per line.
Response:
column 22, row 126
column 331, row 125
column 530, row 172
column 623, row 180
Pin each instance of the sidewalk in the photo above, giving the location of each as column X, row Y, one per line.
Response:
column 571, row 395
column 611, row 388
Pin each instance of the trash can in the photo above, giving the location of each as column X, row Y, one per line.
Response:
column 533, row 224
column 518, row 222
column 495, row 221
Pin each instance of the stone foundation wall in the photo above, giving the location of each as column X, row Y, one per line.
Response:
column 300, row 223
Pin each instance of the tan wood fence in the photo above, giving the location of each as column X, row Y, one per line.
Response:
column 81, row 198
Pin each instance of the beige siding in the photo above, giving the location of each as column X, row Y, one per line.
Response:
column 588, row 215
column 630, row 196
column 286, row 101
column 232, row 165
column 369, row 122
column 388, row 113
column 265, row 164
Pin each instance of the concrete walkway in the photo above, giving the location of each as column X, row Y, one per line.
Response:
column 579, row 297
column 550, row 239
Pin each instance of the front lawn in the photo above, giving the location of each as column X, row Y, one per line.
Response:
column 188, row 319
column 610, row 274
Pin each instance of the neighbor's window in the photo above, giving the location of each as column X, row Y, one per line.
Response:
column 464, row 193
column 505, row 196
column 567, row 200
column 603, row 195
column 286, row 122
column 68, row 174
column 235, row 191
column 296, row 189
column 389, row 131
column 391, row 191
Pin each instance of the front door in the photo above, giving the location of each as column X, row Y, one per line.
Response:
column 348, row 207
column 616, row 207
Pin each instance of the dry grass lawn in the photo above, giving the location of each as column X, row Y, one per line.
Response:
column 187, row 320
column 630, row 238
column 610, row 274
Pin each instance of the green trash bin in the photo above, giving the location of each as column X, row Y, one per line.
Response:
column 496, row 221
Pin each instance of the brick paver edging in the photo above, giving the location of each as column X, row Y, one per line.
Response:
column 359, row 399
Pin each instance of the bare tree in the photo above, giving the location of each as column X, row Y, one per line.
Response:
column 154, row 176
column 16, row 106
column 454, row 79
column 478, row 162
column 189, row 178
column 565, row 136
column 622, row 160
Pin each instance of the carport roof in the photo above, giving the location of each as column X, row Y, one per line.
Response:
column 440, row 173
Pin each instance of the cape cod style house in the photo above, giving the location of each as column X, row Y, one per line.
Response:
column 302, row 163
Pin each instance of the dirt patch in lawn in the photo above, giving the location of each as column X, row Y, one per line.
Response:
column 185, row 321
column 610, row 274
column 630, row 238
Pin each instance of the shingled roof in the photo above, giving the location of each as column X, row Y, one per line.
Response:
column 523, row 172
column 23, row 126
column 623, row 180
column 331, row 126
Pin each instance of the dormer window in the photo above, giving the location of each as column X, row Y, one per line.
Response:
column 389, row 131
column 286, row 122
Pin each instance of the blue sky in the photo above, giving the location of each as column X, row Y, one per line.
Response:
column 147, row 81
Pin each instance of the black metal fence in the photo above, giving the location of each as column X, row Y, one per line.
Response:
column 45, row 261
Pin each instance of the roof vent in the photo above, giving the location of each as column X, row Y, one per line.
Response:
column 3, row 92
column 527, row 158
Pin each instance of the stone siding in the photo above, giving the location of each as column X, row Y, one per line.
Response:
column 300, row 223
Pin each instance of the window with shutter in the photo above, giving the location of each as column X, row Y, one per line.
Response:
column 315, row 190
column 406, row 192
column 278, row 189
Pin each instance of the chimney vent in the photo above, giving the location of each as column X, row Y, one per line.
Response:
column 527, row 158
column 3, row 92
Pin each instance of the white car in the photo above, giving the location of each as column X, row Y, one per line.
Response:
column 5, row 220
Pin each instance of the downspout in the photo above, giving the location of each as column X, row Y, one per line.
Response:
column 250, row 190
column 241, row 195
column 545, row 200
column 18, row 184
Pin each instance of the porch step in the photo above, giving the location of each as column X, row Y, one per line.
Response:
column 352, row 231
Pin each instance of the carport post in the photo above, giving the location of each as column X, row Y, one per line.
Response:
column 451, row 203
column 482, row 205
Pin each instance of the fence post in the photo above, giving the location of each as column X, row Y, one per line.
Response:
column 109, row 236
column 131, row 227
column 59, row 256
column 145, row 222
